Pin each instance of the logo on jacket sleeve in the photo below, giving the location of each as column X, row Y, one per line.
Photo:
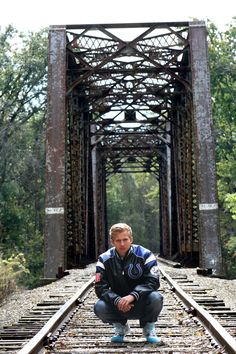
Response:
column 135, row 271
column 154, row 271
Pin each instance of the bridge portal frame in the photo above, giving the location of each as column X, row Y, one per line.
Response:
column 56, row 189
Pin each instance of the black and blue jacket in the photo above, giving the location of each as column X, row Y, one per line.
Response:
column 136, row 274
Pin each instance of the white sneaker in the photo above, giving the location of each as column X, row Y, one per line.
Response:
column 120, row 332
column 149, row 332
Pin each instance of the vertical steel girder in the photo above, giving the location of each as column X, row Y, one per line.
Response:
column 79, row 184
column 210, row 249
column 55, row 155
column 99, row 189
column 165, row 246
column 184, row 192
column 99, row 85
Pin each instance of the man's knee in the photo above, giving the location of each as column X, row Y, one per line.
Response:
column 100, row 307
column 156, row 299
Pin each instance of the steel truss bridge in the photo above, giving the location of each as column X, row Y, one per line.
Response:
column 129, row 98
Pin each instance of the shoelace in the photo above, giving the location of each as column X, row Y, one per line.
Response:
column 152, row 333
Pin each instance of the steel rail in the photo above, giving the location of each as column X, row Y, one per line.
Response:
column 37, row 342
column 169, row 262
column 224, row 339
column 209, row 322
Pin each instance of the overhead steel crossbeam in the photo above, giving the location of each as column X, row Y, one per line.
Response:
column 129, row 83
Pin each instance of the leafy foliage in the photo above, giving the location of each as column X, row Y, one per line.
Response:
column 11, row 270
column 222, row 55
column 134, row 199
column 23, row 80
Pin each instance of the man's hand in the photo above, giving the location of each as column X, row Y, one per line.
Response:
column 125, row 303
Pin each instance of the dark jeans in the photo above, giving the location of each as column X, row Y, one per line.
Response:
column 146, row 309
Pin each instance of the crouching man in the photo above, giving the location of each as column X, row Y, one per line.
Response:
column 126, row 284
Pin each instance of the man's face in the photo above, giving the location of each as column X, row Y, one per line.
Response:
column 122, row 242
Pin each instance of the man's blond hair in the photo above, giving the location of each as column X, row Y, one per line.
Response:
column 120, row 227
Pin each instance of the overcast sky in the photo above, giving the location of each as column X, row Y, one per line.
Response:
column 33, row 14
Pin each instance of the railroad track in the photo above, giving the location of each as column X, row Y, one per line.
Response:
column 184, row 325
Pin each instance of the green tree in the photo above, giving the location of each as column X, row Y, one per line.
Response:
column 134, row 199
column 23, row 81
column 222, row 58
column 11, row 269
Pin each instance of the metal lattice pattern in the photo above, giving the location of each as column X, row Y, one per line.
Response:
column 132, row 94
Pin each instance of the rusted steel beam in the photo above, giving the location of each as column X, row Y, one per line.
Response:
column 99, row 196
column 165, row 242
column 55, row 154
column 124, row 71
column 210, row 249
column 129, row 25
